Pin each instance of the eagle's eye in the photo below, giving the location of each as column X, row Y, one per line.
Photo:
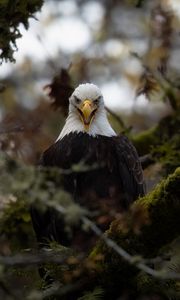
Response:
column 78, row 101
column 96, row 101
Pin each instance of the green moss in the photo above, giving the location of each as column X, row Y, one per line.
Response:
column 164, row 191
column 163, row 142
column 163, row 208
column 168, row 153
column 15, row 223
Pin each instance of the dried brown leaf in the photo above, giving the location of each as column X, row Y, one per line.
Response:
column 148, row 85
column 59, row 90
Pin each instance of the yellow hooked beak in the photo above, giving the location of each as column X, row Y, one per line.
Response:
column 87, row 111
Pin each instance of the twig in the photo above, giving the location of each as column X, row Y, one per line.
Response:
column 12, row 129
column 22, row 260
column 76, row 168
column 146, row 160
column 51, row 62
column 62, row 290
column 133, row 260
column 120, row 121
column 56, row 289
column 139, row 262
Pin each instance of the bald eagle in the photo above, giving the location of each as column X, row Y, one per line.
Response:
column 110, row 187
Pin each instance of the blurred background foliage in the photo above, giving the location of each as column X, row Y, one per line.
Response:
column 130, row 49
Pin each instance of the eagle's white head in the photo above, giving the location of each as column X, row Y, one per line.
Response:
column 87, row 112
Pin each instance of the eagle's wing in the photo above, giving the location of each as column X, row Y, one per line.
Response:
column 130, row 169
column 45, row 222
column 50, row 157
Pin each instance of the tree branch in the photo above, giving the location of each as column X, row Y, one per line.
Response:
column 22, row 260
column 117, row 118
column 137, row 261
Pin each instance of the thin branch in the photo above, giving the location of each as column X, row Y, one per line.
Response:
column 117, row 118
column 7, row 129
column 56, row 289
column 139, row 262
column 46, row 256
column 59, row 290
column 76, row 168
column 146, row 160
column 11, row 129
column 51, row 62
column 133, row 260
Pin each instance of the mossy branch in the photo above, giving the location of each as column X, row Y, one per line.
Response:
column 162, row 142
column 163, row 208
column 159, row 226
